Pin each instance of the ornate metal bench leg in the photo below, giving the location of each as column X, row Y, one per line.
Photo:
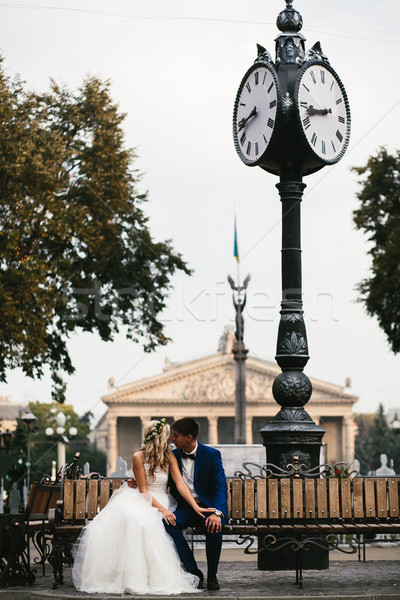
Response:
column 15, row 567
column 299, row 567
column 56, row 559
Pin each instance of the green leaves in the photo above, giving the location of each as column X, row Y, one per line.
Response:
column 379, row 217
column 75, row 250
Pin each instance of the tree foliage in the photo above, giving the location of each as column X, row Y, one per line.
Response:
column 379, row 217
column 376, row 437
column 44, row 448
column 75, row 248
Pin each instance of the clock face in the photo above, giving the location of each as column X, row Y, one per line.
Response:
column 323, row 110
column 255, row 112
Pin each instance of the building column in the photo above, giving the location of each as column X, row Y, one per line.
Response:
column 249, row 430
column 348, row 439
column 213, row 430
column 112, row 452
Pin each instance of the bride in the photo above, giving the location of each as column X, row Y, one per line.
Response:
column 126, row 549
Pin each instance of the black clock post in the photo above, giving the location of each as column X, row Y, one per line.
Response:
column 291, row 118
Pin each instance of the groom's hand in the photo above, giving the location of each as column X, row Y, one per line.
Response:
column 213, row 524
column 132, row 483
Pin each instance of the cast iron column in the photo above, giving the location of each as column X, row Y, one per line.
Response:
column 292, row 432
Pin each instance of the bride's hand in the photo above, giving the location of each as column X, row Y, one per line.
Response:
column 201, row 511
column 168, row 516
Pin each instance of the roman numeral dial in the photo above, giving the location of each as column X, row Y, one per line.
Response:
column 255, row 112
column 323, row 111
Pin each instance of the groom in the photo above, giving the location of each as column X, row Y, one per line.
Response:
column 203, row 473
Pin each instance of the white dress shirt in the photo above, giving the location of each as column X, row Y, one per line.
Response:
column 188, row 473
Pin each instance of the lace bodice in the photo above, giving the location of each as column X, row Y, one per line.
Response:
column 159, row 485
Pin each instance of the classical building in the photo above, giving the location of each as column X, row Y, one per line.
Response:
column 9, row 413
column 205, row 389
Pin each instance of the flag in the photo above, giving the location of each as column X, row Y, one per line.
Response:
column 235, row 243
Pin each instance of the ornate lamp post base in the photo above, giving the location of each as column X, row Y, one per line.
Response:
column 292, row 432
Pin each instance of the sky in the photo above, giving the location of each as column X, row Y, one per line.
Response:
column 174, row 68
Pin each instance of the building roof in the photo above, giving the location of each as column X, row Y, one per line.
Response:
column 8, row 410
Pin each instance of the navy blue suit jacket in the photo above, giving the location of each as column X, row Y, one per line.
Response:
column 209, row 478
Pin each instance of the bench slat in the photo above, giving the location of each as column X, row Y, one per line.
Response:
column 80, row 499
column 322, row 509
column 393, row 492
column 297, row 498
column 358, row 498
column 370, row 506
column 310, row 498
column 249, row 499
column 381, row 498
column 345, row 491
column 334, row 506
column 261, row 498
column 92, row 498
column 116, row 484
column 285, row 499
column 273, row 504
column 68, row 499
column 237, row 504
column 104, row 492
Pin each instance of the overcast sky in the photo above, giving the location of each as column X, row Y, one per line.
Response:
column 175, row 67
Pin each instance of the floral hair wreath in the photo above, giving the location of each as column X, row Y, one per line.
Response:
column 157, row 429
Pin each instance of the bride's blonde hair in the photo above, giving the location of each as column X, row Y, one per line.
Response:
column 155, row 446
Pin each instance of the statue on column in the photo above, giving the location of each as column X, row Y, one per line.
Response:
column 239, row 303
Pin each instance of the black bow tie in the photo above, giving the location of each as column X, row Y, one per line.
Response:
column 186, row 455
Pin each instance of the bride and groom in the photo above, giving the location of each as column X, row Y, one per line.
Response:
column 135, row 544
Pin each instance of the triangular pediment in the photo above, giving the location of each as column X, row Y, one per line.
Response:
column 211, row 379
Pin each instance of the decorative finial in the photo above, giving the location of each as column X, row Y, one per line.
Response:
column 289, row 19
column 290, row 43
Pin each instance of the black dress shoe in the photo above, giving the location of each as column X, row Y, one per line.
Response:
column 212, row 583
column 199, row 574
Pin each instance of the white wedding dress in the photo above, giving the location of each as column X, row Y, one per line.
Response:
column 126, row 549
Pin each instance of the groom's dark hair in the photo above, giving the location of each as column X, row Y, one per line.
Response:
column 186, row 426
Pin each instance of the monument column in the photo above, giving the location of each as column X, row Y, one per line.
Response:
column 213, row 430
column 249, row 430
column 348, row 450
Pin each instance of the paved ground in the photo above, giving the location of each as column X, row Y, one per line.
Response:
column 378, row 578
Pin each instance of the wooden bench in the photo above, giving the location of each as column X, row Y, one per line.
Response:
column 304, row 511
column 16, row 531
column 43, row 497
column 280, row 508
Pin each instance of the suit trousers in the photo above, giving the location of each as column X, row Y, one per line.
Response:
column 187, row 517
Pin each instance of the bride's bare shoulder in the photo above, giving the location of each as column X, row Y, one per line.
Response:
column 138, row 457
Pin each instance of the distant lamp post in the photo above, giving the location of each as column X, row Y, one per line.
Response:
column 5, row 440
column 29, row 419
column 62, row 440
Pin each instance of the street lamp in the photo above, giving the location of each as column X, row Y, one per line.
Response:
column 62, row 439
column 29, row 418
column 5, row 440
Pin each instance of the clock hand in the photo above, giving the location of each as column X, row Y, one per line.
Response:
column 318, row 111
column 243, row 121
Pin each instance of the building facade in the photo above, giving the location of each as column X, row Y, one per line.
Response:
column 205, row 389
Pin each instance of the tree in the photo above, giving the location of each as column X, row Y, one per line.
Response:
column 75, row 248
column 379, row 218
column 44, row 448
column 376, row 437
